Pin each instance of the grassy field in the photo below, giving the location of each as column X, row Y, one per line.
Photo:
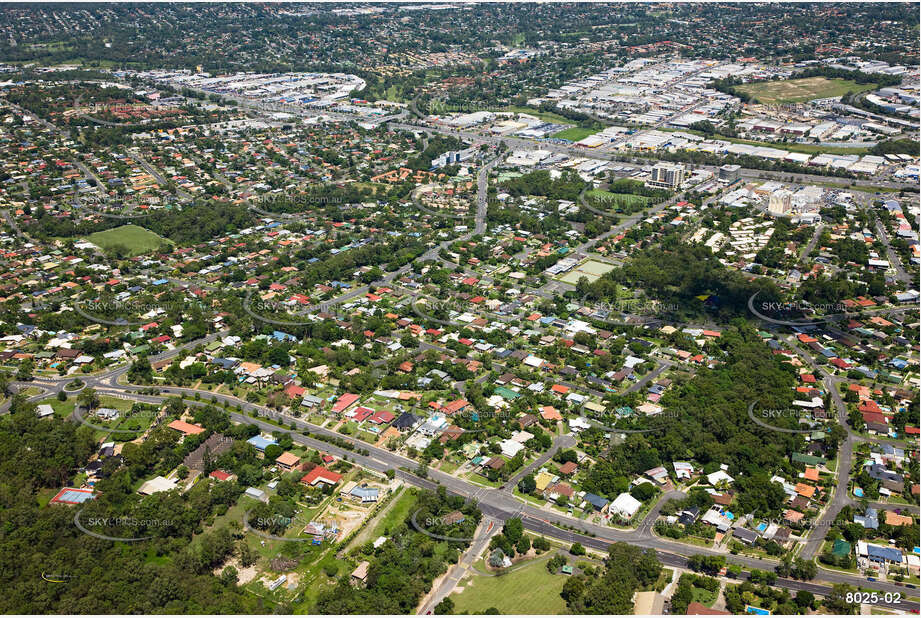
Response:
column 703, row 596
column 530, row 589
column 545, row 116
column 574, row 134
column 623, row 201
column 135, row 239
column 395, row 514
column 798, row 90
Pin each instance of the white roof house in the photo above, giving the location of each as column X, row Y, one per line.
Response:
column 683, row 469
column 625, row 505
column 510, row 448
column 156, row 485
column 715, row 478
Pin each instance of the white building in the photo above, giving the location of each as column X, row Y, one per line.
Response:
column 625, row 505
column 666, row 176
column 780, row 202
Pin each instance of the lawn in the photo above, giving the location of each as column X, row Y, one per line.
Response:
column 574, row 134
column 395, row 514
column 62, row 409
column 545, row 116
column 135, row 239
column 703, row 596
column 529, row 589
column 798, row 90
column 620, row 201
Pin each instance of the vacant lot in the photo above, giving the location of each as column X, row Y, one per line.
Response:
column 525, row 590
column 797, row 90
column 136, row 240
column 626, row 202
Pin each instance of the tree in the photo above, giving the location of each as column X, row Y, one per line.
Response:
column 445, row 607
column 573, row 589
column 577, row 549
column 541, row 544
column 527, row 484
column 513, row 529
column 229, row 575
column 272, row 451
column 805, row 599
column 707, row 564
column 837, row 602
column 523, row 546
column 88, row 398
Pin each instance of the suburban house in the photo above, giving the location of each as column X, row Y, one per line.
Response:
column 321, row 475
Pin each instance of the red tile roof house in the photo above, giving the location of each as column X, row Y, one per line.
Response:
column 381, row 417
column 455, row 407
column 344, row 402
column 185, row 428
column 294, row 391
column 321, row 475
column 360, row 414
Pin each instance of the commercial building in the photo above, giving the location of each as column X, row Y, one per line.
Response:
column 780, row 202
column 666, row 176
column 729, row 173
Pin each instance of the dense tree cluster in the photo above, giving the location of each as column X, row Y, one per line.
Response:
column 402, row 569
column 627, row 569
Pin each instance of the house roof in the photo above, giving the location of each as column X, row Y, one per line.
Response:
column 186, row 428
column 595, row 500
column 288, row 459
column 321, row 475
column 344, row 401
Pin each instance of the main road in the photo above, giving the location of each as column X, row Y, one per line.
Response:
column 494, row 503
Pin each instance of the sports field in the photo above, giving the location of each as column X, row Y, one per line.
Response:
column 135, row 239
column 574, row 134
column 591, row 270
column 798, row 90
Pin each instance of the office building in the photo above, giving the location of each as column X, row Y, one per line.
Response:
column 729, row 174
column 780, row 202
column 667, row 176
